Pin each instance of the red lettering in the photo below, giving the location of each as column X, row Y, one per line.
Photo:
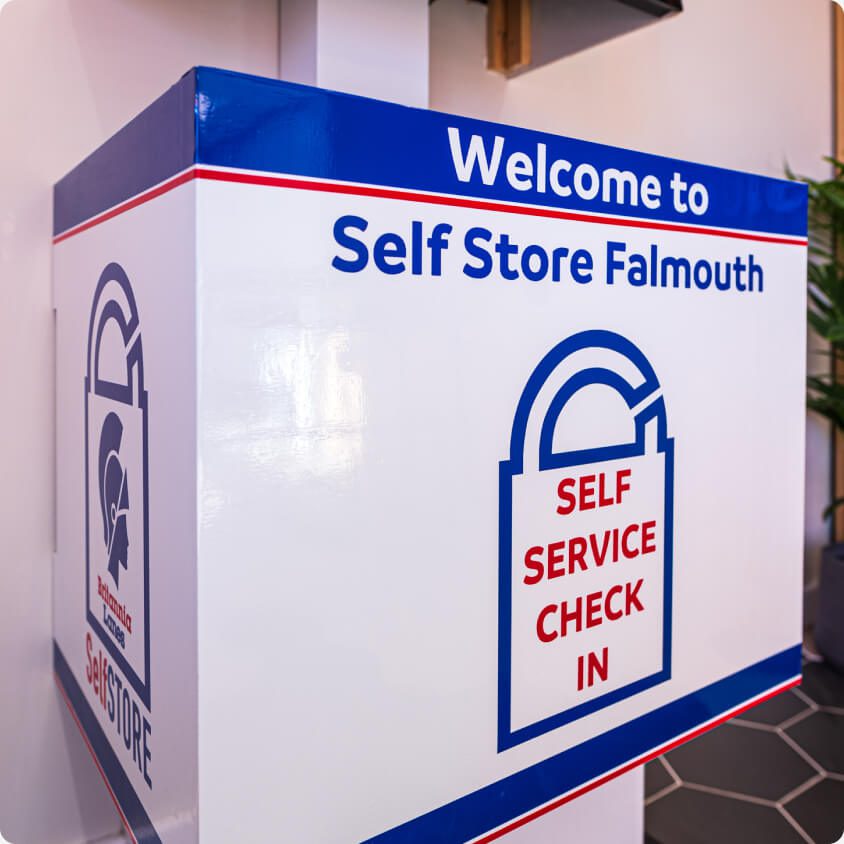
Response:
column 603, row 499
column 648, row 537
column 593, row 609
column 620, row 486
column 577, row 548
column 599, row 668
column 595, row 668
column 629, row 552
column 96, row 671
column 96, row 683
column 556, row 560
column 587, row 491
column 89, row 670
column 540, row 624
column 591, row 491
column 580, row 553
column 568, row 499
column 534, row 565
column 632, row 597
column 613, row 615
column 593, row 545
column 574, row 615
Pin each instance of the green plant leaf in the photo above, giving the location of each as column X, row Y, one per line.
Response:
column 828, row 511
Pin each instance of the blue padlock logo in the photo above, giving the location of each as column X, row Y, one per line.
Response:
column 116, row 479
column 585, row 538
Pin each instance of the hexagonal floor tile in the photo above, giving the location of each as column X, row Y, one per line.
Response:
column 741, row 759
column 656, row 778
column 692, row 817
column 820, row 811
column 823, row 685
column 775, row 711
column 821, row 735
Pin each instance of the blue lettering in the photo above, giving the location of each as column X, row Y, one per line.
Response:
column 437, row 243
column 476, row 251
column 389, row 246
column 127, row 723
column 344, row 239
column 614, row 264
column 542, row 264
column 505, row 250
column 110, row 705
column 147, row 752
column 581, row 266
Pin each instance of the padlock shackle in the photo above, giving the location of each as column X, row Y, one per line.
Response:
column 128, row 323
column 633, row 396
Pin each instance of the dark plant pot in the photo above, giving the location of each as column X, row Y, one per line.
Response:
column 829, row 627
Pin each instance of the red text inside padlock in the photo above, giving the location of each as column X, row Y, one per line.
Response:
column 559, row 620
column 589, row 492
column 581, row 553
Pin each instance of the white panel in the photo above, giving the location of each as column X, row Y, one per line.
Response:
column 357, row 472
column 154, row 738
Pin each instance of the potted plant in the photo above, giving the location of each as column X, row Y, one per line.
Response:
column 825, row 392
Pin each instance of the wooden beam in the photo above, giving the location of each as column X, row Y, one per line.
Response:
column 508, row 35
column 656, row 7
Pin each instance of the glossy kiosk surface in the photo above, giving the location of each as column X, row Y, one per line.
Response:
column 416, row 474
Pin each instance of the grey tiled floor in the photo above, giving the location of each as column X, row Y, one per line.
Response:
column 773, row 775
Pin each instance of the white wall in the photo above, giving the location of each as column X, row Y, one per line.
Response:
column 71, row 73
column 740, row 84
column 743, row 84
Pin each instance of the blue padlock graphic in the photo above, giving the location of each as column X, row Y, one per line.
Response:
column 586, row 538
column 116, row 479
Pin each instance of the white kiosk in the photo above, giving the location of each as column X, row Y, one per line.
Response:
column 415, row 474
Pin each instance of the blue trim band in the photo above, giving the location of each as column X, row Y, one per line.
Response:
column 494, row 805
column 157, row 144
column 263, row 124
column 251, row 123
column 118, row 782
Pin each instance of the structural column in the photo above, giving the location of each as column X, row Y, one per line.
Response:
column 365, row 47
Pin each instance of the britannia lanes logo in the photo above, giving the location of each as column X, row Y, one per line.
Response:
column 116, row 479
column 114, row 496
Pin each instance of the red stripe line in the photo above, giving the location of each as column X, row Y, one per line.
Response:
column 94, row 757
column 410, row 196
column 525, row 819
column 140, row 199
column 561, row 801
column 476, row 204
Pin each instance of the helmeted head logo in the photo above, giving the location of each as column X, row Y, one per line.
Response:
column 116, row 479
column 114, row 496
